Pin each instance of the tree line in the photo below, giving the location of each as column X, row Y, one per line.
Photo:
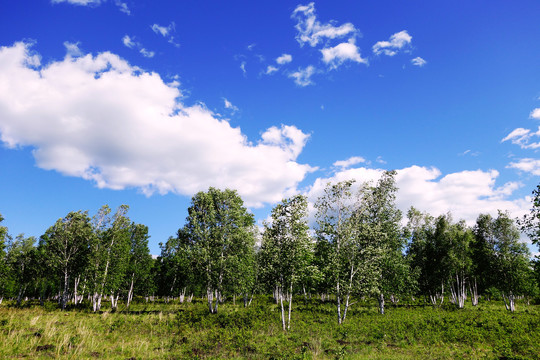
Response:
column 359, row 248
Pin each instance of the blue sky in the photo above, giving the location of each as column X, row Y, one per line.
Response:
column 147, row 102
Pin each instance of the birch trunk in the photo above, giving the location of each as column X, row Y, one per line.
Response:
column 381, row 303
column 130, row 292
column 75, row 288
column 290, row 307
column 282, row 309
column 474, row 293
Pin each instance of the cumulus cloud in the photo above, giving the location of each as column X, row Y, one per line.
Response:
column 418, row 61
column 466, row 194
column 312, row 31
column 131, row 43
column 101, row 119
column 302, row 77
column 535, row 114
column 396, row 42
column 337, row 55
column 349, row 162
column 284, row 59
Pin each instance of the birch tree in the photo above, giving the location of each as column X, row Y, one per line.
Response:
column 352, row 265
column 483, row 257
column 380, row 214
column 66, row 246
column 511, row 260
column 286, row 248
column 21, row 258
column 139, row 261
column 4, row 237
column 219, row 227
column 109, row 250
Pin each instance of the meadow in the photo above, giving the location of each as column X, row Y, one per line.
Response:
column 158, row 330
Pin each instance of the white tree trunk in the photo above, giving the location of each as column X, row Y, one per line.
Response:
column 381, row 303
column 474, row 293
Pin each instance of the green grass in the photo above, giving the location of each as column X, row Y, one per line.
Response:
column 187, row 331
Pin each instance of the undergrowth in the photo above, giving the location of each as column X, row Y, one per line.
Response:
column 188, row 331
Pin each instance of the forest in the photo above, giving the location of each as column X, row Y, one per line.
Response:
column 359, row 259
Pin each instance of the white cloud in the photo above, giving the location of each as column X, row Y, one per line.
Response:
column 349, row 162
column 122, row 6
column 104, row 120
column 146, row 53
column 466, row 194
column 78, row 2
column 302, row 77
column 131, row 43
column 128, row 42
column 271, row 69
column 163, row 30
column 522, row 137
column 312, row 31
column 535, row 114
column 527, row 165
column 418, row 61
column 397, row 42
column 229, row 105
column 337, row 55
column 72, row 49
column 166, row 32
column 243, row 67
column 284, row 59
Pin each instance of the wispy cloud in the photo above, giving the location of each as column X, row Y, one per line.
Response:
column 72, row 49
column 243, row 68
column 166, row 32
column 271, row 69
column 229, row 106
column 302, row 77
column 311, row 31
column 349, row 162
column 418, row 61
column 526, row 165
column 397, row 42
column 78, row 2
column 130, row 42
column 146, row 53
column 122, row 6
column 522, row 138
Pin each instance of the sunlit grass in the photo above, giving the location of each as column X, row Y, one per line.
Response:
column 184, row 331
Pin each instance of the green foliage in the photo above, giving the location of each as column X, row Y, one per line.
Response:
column 220, row 233
column 165, row 331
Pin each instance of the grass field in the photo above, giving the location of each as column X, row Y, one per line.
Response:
column 187, row 331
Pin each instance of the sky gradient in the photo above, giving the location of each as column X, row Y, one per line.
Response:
column 147, row 102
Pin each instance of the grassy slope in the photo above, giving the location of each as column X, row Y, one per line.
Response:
column 172, row 331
